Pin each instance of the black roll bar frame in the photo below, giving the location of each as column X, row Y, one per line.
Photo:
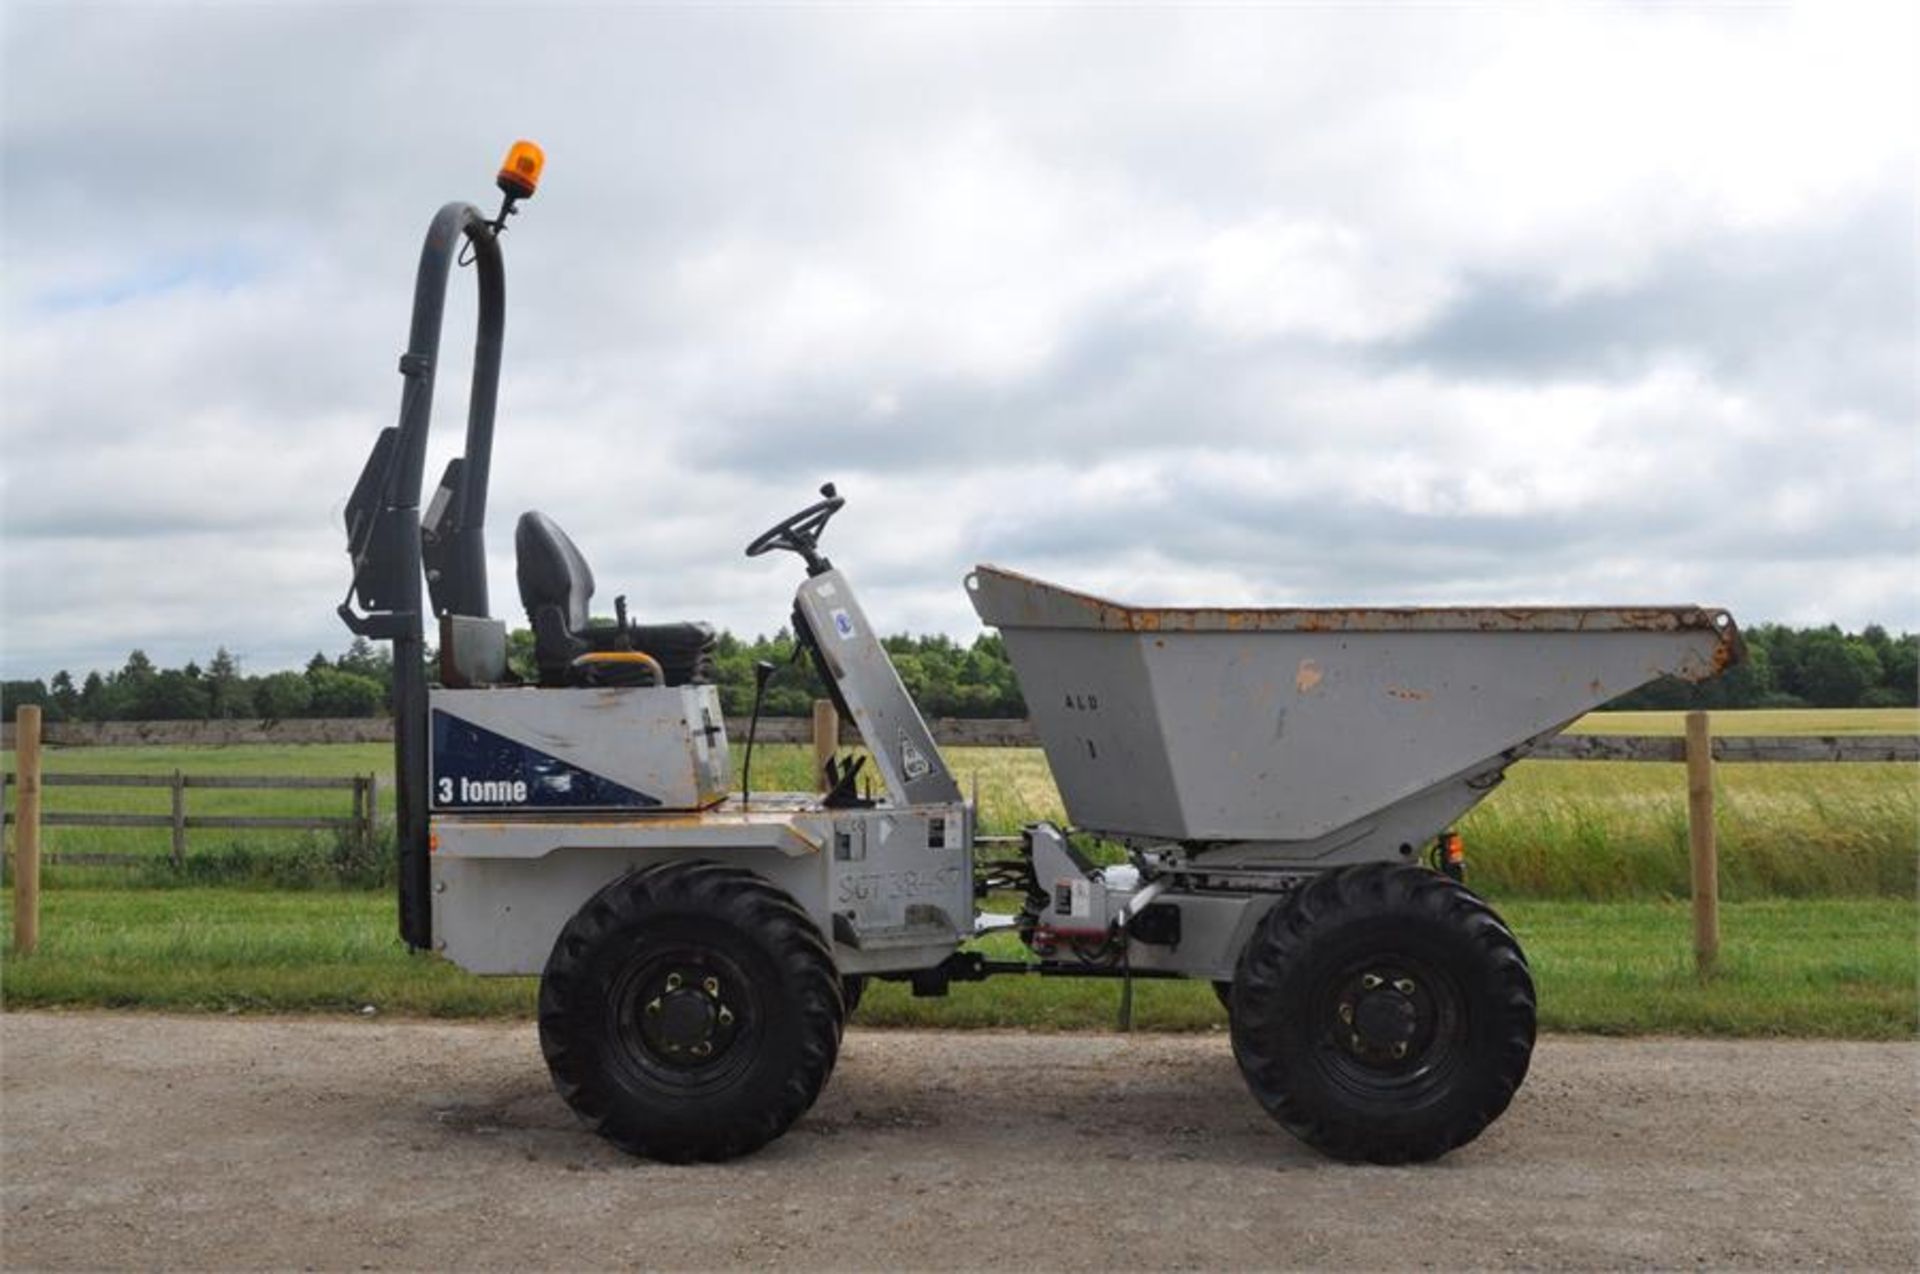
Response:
column 389, row 565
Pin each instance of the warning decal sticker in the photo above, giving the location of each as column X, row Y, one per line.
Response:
column 913, row 762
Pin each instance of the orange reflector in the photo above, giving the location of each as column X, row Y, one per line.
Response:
column 520, row 174
column 1452, row 848
column 433, row 843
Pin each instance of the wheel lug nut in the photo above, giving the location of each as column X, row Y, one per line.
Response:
column 702, row 1049
column 673, row 982
column 1403, row 985
column 654, row 1005
column 726, row 1016
column 711, row 986
column 1370, row 980
column 1400, row 1049
column 1353, row 1041
column 1346, row 1013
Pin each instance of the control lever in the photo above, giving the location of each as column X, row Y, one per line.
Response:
column 762, row 673
column 841, row 792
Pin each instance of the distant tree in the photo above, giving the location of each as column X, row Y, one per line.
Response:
column 520, row 655
column 1837, row 671
column 62, row 692
column 1786, row 648
column 169, row 695
column 1901, row 672
column 15, row 695
column 94, row 698
column 364, row 659
column 228, row 694
column 282, row 696
column 1748, row 682
column 343, row 694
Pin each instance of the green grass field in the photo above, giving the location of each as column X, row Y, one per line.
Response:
column 1577, row 830
column 1588, row 859
column 1818, row 968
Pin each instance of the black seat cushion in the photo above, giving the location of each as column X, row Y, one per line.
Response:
column 556, row 587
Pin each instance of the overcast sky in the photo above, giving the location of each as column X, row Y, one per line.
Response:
column 1289, row 306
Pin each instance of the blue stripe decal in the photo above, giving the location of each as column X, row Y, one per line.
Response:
column 474, row 768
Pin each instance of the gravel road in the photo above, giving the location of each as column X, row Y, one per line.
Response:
column 220, row 1142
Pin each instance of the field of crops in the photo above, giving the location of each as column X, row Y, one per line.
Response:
column 1760, row 721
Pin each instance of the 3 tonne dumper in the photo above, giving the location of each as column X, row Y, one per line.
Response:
column 1282, row 782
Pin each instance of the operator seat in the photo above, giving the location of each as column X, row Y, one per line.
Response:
column 556, row 587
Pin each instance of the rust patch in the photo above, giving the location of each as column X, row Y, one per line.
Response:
column 1416, row 696
column 1730, row 651
column 1307, row 676
column 1102, row 613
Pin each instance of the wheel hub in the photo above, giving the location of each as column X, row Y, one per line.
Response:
column 1382, row 1017
column 1385, row 1019
column 685, row 1019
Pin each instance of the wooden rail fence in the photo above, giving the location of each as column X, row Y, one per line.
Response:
column 359, row 822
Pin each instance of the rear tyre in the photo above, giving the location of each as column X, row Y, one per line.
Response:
column 1385, row 1014
column 690, row 1012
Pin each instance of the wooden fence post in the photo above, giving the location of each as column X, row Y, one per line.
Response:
column 826, row 739
column 362, row 825
column 26, row 832
column 179, row 821
column 1702, row 844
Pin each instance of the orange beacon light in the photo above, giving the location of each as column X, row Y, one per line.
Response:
column 520, row 173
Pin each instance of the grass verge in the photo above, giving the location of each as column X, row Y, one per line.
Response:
column 1843, row 968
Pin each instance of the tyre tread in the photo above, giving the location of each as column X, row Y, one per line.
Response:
column 1380, row 893
column 744, row 903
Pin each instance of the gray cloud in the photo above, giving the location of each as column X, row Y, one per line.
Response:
column 1822, row 313
column 1265, row 305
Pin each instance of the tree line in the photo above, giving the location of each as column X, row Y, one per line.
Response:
column 1786, row 668
column 945, row 678
column 1802, row 668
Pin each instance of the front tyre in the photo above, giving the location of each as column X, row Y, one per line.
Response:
column 1383, row 1014
column 690, row 1012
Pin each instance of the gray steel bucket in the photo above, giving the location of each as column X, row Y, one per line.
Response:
column 1287, row 725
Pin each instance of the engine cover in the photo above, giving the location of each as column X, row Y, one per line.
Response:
column 610, row 749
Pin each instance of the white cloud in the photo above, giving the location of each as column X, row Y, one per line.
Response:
column 1209, row 305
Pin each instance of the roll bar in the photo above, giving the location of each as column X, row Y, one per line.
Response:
column 392, row 545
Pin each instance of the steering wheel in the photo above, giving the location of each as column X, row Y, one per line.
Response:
column 800, row 533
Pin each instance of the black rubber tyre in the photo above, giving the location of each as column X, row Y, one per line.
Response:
column 690, row 1012
column 852, row 987
column 1384, row 1014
